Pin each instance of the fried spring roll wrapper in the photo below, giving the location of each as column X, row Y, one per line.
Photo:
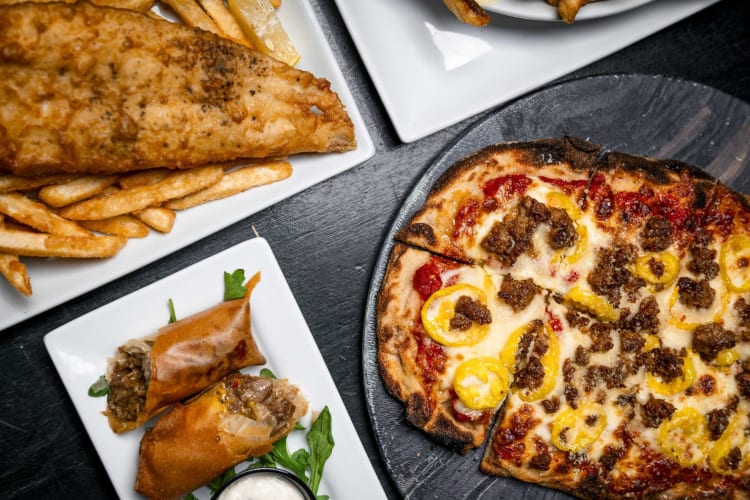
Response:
column 183, row 359
column 240, row 417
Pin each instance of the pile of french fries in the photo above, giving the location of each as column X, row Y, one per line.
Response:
column 93, row 216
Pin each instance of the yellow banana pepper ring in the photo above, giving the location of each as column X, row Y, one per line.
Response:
column 670, row 264
column 734, row 263
column 551, row 364
column 733, row 436
column 677, row 385
column 439, row 309
column 593, row 303
column 560, row 200
column 683, row 437
column 550, row 361
column 683, row 323
column 481, row 383
column 571, row 430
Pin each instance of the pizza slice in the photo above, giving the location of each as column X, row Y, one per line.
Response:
column 441, row 332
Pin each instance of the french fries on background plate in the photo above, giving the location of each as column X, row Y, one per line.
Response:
column 93, row 216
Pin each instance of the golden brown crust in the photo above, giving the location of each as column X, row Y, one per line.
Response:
column 197, row 441
column 148, row 93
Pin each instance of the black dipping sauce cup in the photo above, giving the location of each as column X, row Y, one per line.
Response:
column 252, row 474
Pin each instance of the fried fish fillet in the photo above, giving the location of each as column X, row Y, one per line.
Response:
column 87, row 89
column 139, row 5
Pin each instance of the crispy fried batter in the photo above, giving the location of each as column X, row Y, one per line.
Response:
column 468, row 11
column 95, row 89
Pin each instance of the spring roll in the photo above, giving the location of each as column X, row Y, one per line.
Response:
column 240, row 417
column 182, row 359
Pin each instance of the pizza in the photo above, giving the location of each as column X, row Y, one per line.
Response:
column 584, row 313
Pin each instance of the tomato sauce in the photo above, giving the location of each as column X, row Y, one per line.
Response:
column 466, row 217
column 508, row 443
column 431, row 357
column 427, row 279
column 568, row 187
column 511, row 186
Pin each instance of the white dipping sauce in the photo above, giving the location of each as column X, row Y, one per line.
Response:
column 262, row 486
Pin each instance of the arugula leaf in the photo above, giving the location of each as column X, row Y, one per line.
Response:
column 172, row 315
column 190, row 496
column 296, row 462
column 219, row 480
column 320, row 439
column 233, row 285
column 99, row 388
column 265, row 372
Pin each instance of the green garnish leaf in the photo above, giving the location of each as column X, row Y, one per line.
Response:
column 99, row 388
column 190, row 496
column 233, row 285
column 219, row 480
column 296, row 462
column 172, row 315
column 299, row 427
column 266, row 373
column 320, row 439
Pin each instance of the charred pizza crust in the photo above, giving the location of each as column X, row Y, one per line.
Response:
column 619, row 287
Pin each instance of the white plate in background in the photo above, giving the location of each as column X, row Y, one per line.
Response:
column 80, row 350
column 432, row 71
column 539, row 10
column 55, row 281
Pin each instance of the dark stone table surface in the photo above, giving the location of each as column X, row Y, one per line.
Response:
column 326, row 240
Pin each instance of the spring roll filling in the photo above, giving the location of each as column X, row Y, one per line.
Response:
column 128, row 378
column 260, row 399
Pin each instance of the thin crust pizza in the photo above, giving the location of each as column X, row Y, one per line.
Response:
column 587, row 314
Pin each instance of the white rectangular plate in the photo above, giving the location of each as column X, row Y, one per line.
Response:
column 432, row 71
column 56, row 281
column 80, row 350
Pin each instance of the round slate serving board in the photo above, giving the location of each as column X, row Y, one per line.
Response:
column 638, row 114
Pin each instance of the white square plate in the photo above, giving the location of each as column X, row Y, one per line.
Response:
column 80, row 350
column 56, row 281
column 432, row 71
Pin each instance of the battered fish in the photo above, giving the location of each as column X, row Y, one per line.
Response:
column 87, row 89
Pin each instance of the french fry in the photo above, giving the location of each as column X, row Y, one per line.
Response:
column 143, row 178
column 22, row 243
column 80, row 188
column 120, row 225
column 37, row 215
column 191, row 14
column 158, row 218
column 10, row 183
column 233, row 182
column 177, row 185
column 15, row 273
column 262, row 26
column 226, row 23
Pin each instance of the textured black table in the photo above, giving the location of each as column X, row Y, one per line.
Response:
column 326, row 240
